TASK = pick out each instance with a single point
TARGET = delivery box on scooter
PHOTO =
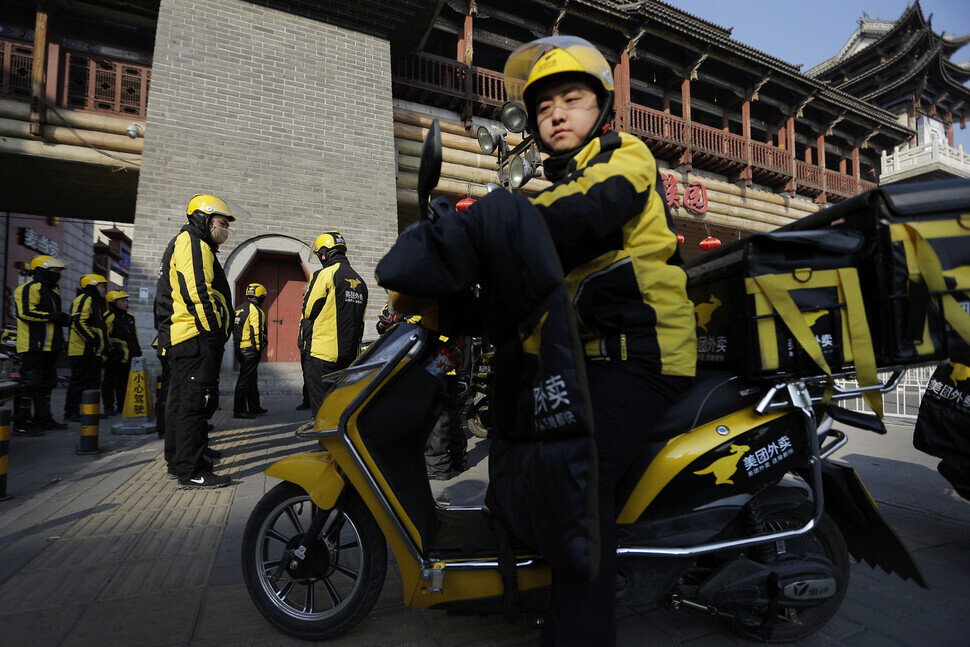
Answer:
(914, 268)
(781, 305)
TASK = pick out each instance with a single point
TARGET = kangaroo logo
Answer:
(724, 468)
(705, 311)
(353, 283)
(812, 317)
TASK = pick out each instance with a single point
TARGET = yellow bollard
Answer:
(90, 422)
(139, 409)
(4, 451)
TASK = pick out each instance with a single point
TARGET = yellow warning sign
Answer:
(139, 402)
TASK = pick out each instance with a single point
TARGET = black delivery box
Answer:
(777, 305)
(914, 267)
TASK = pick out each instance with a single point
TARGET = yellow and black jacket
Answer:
(192, 295)
(333, 312)
(615, 238)
(249, 330)
(123, 333)
(89, 334)
(37, 302)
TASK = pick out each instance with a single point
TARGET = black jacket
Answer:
(542, 458)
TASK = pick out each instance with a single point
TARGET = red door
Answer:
(283, 277)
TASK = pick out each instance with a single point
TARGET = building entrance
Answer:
(283, 277)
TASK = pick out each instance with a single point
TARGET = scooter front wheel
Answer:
(338, 579)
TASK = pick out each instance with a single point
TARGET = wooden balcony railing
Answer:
(101, 84)
(771, 158)
(717, 142)
(808, 175)
(653, 123)
(839, 184)
(87, 82)
(489, 86)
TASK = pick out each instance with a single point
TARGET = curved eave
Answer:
(874, 69)
(912, 13)
(940, 76)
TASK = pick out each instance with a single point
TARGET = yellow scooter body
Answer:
(352, 423)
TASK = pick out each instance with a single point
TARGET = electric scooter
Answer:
(733, 511)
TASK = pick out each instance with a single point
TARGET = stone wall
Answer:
(288, 117)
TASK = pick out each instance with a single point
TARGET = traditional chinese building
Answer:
(312, 117)
(905, 67)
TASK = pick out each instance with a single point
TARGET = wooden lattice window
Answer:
(105, 85)
(16, 63)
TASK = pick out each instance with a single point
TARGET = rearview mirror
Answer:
(430, 169)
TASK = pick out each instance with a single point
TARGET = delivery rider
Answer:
(87, 342)
(249, 341)
(40, 339)
(193, 319)
(333, 315)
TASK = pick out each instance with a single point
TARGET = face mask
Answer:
(219, 234)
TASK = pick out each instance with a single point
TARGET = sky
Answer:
(810, 32)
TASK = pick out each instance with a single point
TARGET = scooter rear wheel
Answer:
(337, 583)
(824, 540)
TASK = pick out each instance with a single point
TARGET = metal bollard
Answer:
(90, 420)
(4, 451)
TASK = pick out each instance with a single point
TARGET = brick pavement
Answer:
(97, 550)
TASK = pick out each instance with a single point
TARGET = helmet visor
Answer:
(521, 69)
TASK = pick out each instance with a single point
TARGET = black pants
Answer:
(162, 398)
(247, 389)
(446, 446)
(313, 371)
(38, 376)
(192, 387)
(85, 375)
(115, 384)
(627, 403)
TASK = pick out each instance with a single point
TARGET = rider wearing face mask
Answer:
(193, 319)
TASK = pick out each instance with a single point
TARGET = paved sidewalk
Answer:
(104, 549)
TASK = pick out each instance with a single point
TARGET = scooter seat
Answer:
(711, 395)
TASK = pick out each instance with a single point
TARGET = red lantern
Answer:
(709, 243)
(680, 239)
(464, 203)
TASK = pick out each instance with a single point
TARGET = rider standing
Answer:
(249, 339)
(40, 339)
(87, 342)
(333, 316)
(618, 248)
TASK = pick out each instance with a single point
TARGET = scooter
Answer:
(473, 397)
(735, 511)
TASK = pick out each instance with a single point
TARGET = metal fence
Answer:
(904, 401)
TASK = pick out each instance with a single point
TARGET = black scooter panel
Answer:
(394, 429)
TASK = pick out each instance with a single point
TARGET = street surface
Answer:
(104, 550)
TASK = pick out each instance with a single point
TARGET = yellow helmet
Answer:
(545, 57)
(209, 205)
(554, 55)
(114, 295)
(46, 262)
(327, 241)
(255, 290)
(92, 279)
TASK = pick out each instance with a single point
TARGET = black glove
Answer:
(60, 318)
(384, 322)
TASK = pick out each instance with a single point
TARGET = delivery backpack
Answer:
(943, 425)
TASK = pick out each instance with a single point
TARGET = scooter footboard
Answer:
(867, 536)
(315, 472)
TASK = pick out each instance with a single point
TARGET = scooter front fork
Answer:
(292, 557)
